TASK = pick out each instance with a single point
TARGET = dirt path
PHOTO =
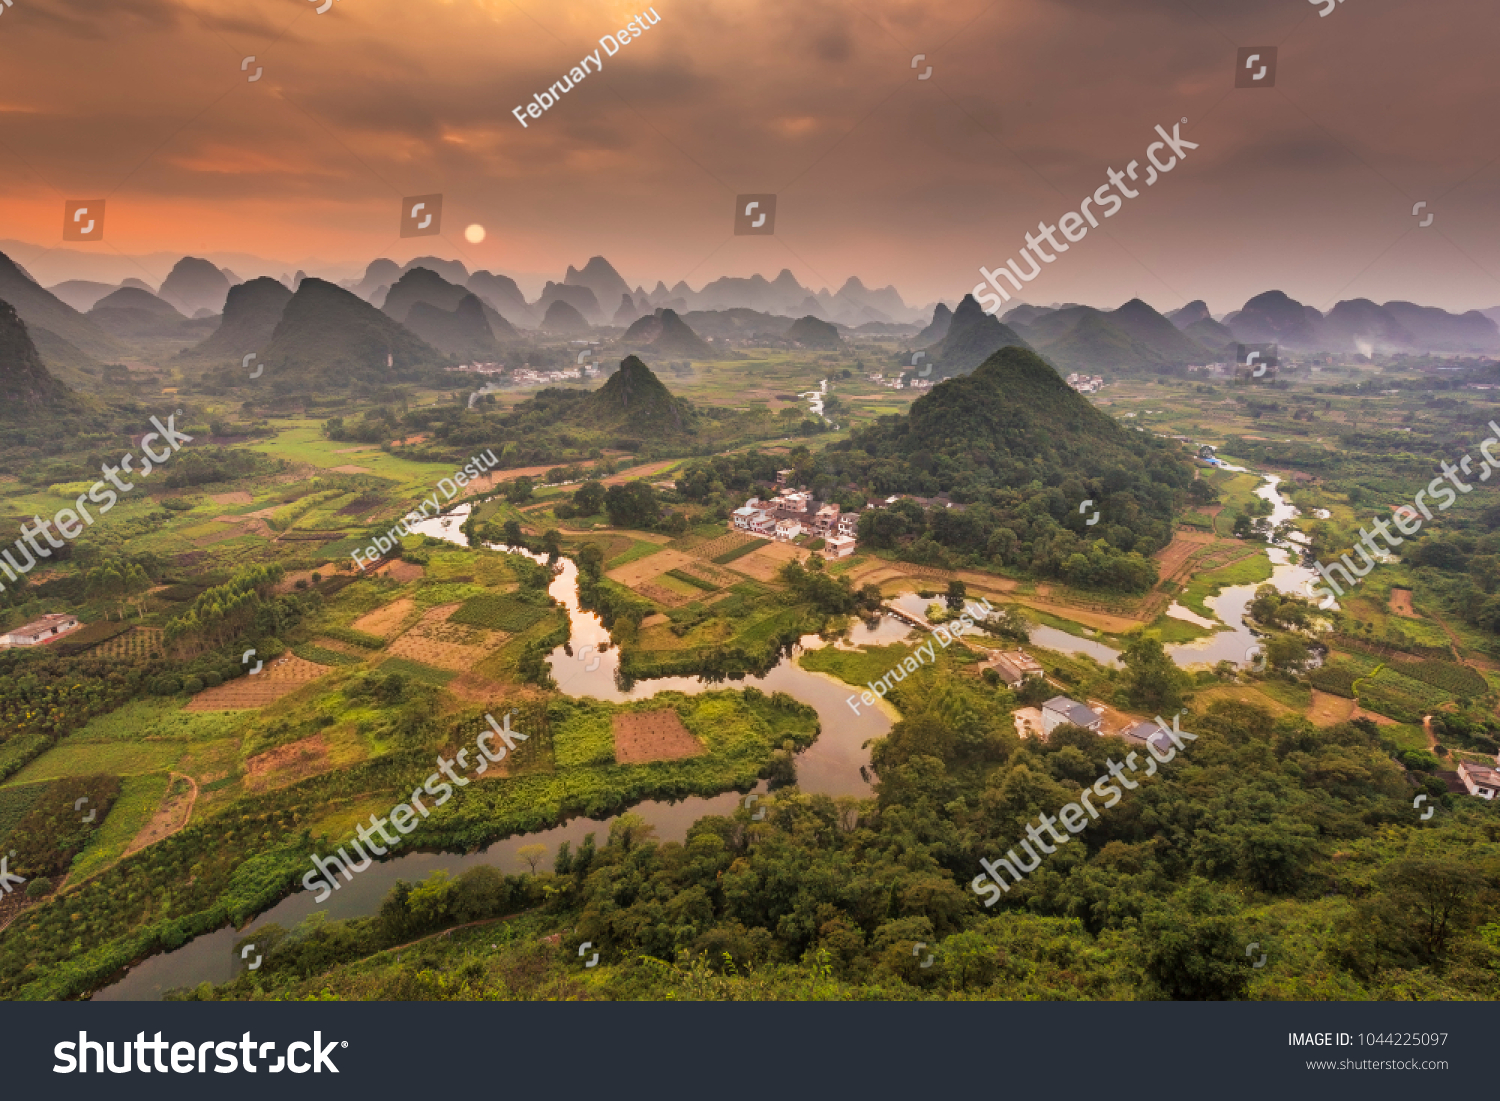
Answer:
(1427, 729)
(162, 824)
(1457, 647)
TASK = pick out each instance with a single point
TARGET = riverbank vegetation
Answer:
(1273, 831)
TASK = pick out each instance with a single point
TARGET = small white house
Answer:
(742, 516)
(838, 546)
(41, 631)
(849, 524)
(1059, 710)
(1479, 779)
(787, 530)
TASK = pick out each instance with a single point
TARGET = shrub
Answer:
(167, 685)
(38, 887)
(212, 679)
(192, 685)
(355, 638)
(691, 579)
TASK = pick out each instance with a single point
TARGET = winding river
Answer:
(830, 766)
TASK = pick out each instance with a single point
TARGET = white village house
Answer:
(838, 546)
(1060, 710)
(1481, 780)
(41, 631)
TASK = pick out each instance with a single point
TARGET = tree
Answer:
(628, 830)
(957, 590)
(513, 536)
(632, 505)
(1009, 624)
(1152, 681)
(519, 491)
(1287, 652)
(105, 584)
(591, 560)
(552, 543)
(589, 499)
(1192, 949)
(532, 855)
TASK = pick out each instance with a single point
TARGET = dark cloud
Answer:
(902, 181)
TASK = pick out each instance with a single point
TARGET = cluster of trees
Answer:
(221, 614)
(198, 465)
(812, 584)
(116, 584)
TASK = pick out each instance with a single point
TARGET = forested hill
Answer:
(1016, 404)
(1022, 451)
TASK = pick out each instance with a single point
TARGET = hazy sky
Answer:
(1307, 186)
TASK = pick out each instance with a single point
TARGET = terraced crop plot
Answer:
(642, 736)
(322, 656)
(386, 621)
(280, 678)
(720, 578)
(723, 544)
(768, 558)
(286, 764)
(644, 569)
(663, 596)
(693, 580)
(1457, 679)
(498, 612)
(426, 674)
(437, 641)
(748, 547)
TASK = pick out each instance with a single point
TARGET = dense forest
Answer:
(1269, 831)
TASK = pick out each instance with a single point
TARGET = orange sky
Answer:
(1307, 186)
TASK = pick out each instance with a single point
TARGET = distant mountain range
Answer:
(599, 293)
(433, 311)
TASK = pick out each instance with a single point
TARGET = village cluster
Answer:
(527, 375)
(794, 513)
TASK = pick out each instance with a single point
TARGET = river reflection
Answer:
(830, 766)
(587, 666)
